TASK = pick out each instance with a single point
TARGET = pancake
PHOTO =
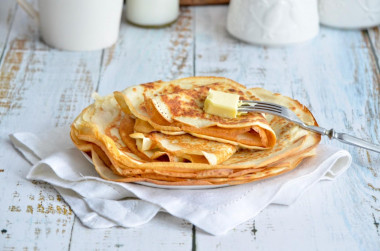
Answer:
(104, 130)
(177, 106)
(105, 125)
(187, 147)
(241, 177)
(156, 146)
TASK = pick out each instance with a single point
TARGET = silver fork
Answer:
(281, 111)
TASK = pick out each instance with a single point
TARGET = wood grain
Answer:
(144, 55)
(164, 232)
(335, 76)
(40, 88)
(374, 36)
(7, 10)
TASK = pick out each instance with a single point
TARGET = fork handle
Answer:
(351, 140)
(345, 138)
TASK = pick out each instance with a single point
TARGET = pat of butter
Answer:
(221, 104)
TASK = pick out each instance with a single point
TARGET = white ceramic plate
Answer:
(168, 187)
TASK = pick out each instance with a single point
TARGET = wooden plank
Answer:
(335, 76)
(144, 55)
(164, 232)
(40, 88)
(374, 36)
(7, 11)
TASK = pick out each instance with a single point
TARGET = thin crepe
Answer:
(105, 125)
(97, 129)
(215, 178)
(176, 148)
(177, 106)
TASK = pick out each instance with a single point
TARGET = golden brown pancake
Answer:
(177, 106)
(105, 128)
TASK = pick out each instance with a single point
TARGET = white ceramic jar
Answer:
(152, 13)
(77, 25)
(350, 14)
(273, 22)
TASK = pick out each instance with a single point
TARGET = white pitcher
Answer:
(77, 25)
(350, 14)
(273, 22)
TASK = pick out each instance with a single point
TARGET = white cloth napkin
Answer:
(102, 204)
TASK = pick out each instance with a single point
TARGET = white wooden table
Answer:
(336, 75)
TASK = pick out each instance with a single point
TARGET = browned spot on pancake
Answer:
(175, 88)
(174, 104)
(150, 85)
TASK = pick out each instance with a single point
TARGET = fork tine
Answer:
(259, 102)
(258, 108)
(262, 106)
(261, 111)
(266, 106)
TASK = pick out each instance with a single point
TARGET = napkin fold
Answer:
(102, 204)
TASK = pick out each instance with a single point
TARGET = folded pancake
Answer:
(176, 148)
(216, 176)
(98, 124)
(185, 147)
(105, 128)
(177, 106)
(105, 125)
(230, 178)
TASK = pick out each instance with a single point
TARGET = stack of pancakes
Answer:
(158, 132)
